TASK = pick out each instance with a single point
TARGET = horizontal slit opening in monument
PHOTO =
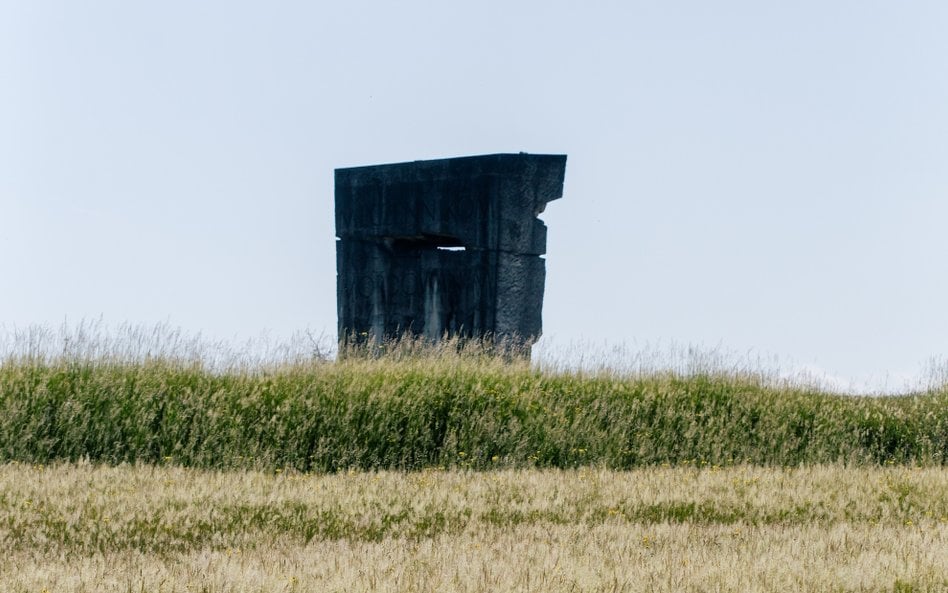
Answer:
(427, 242)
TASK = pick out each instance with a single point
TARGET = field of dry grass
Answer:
(84, 527)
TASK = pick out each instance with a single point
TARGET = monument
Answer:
(448, 247)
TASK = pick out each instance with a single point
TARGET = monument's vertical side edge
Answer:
(521, 271)
(341, 297)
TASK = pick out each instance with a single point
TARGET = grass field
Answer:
(80, 527)
(144, 467)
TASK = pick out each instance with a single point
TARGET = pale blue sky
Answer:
(756, 176)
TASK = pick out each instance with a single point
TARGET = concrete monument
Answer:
(448, 247)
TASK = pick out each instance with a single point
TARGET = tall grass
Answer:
(409, 406)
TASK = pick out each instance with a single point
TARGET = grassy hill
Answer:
(409, 411)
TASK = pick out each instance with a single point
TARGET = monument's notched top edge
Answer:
(460, 160)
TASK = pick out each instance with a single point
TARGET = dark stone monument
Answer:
(444, 247)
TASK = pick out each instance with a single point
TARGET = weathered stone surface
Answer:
(449, 246)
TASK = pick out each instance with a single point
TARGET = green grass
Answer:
(408, 411)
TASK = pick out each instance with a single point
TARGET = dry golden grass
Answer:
(79, 527)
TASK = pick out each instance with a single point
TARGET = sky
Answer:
(765, 178)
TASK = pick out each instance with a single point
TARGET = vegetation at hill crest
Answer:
(410, 409)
